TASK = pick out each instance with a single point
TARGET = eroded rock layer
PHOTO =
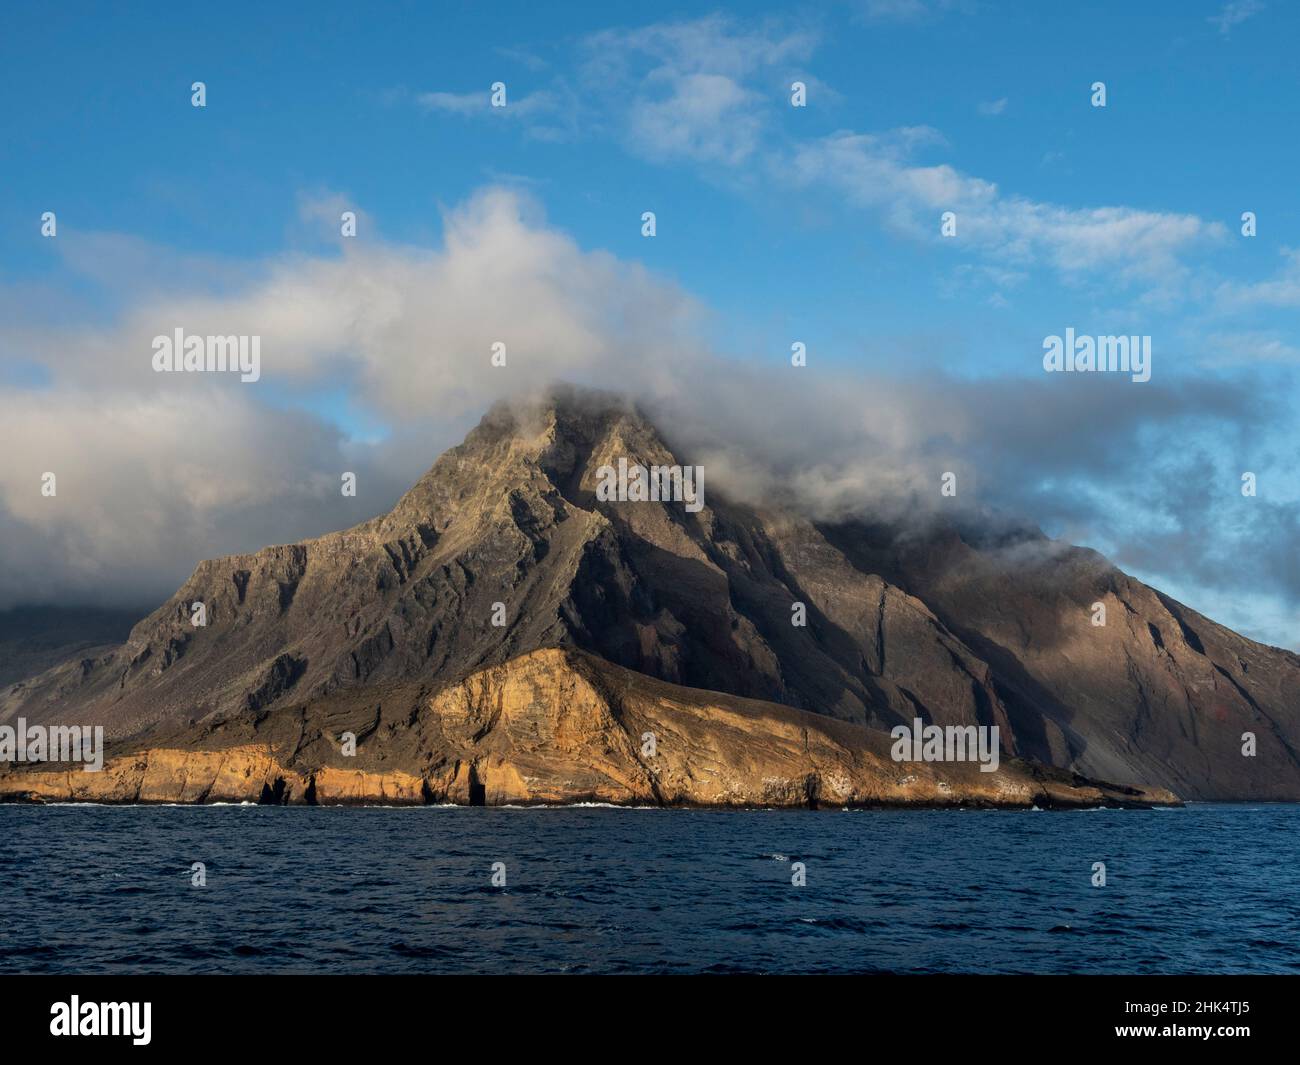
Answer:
(554, 726)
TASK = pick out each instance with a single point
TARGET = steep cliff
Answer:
(553, 726)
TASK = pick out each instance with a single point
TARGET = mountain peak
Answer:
(564, 411)
(524, 449)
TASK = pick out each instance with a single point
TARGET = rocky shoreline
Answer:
(553, 727)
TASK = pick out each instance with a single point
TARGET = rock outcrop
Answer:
(947, 624)
(553, 726)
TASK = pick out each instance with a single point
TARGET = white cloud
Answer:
(411, 328)
(1235, 13)
(877, 172)
(1247, 348)
(674, 90)
(706, 91)
(148, 485)
(456, 103)
(702, 90)
(1281, 290)
(156, 471)
(321, 212)
(712, 45)
(469, 104)
(705, 117)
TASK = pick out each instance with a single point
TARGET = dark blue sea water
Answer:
(306, 890)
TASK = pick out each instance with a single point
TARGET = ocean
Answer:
(90, 889)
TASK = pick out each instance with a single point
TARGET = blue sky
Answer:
(775, 223)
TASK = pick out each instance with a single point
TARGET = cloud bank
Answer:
(156, 471)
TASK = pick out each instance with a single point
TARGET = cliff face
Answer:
(946, 626)
(553, 726)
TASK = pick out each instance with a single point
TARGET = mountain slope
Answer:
(36, 638)
(936, 625)
(1158, 692)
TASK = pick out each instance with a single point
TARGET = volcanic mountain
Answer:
(471, 626)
